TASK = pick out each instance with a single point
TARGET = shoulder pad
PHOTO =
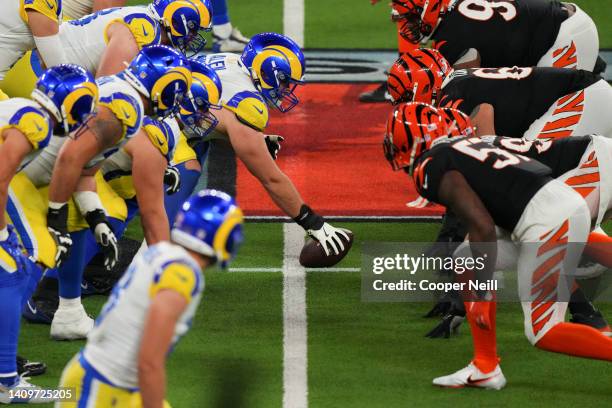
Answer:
(49, 8)
(163, 135)
(179, 277)
(34, 124)
(128, 109)
(250, 109)
(145, 30)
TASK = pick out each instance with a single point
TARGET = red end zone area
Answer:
(333, 154)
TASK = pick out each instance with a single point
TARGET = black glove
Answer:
(449, 325)
(105, 237)
(57, 225)
(274, 144)
(172, 180)
(450, 300)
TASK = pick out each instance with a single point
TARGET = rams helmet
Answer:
(206, 91)
(70, 94)
(183, 22)
(277, 65)
(162, 75)
(209, 223)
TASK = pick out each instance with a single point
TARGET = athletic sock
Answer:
(485, 341)
(223, 31)
(10, 312)
(65, 303)
(220, 13)
(71, 271)
(577, 340)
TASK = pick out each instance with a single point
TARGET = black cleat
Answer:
(378, 95)
(43, 304)
(97, 280)
(600, 66)
(594, 320)
(28, 368)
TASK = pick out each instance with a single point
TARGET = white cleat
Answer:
(234, 43)
(471, 376)
(71, 323)
(22, 393)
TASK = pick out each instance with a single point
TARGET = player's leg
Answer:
(581, 113)
(547, 269)
(226, 37)
(577, 43)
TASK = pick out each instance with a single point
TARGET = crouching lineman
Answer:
(28, 23)
(65, 98)
(270, 69)
(123, 362)
(487, 186)
(154, 83)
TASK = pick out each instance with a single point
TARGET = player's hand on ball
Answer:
(274, 144)
(330, 238)
(105, 237)
(172, 180)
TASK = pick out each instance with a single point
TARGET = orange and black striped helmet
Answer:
(419, 18)
(459, 124)
(417, 76)
(411, 129)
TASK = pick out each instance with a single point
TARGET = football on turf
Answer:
(313, 255)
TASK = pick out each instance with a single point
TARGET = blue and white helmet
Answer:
(70, 94)
(184, 21)
(162, 75)
(277, 66)
(209, 223)
(206, 91)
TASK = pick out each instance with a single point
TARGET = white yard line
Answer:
(295, 344)
(293, 20)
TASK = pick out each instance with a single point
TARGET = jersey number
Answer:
(483, 10)
(523, 146)
(503, 73)
(472, 148)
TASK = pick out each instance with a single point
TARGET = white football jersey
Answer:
(85, 39)
(239, 94)
(74, 9)
(125, 103)
(30, 119)
(15, 35)
(113, 344)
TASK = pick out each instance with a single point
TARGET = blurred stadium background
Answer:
(355, 354)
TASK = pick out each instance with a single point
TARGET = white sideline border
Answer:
(295, 331)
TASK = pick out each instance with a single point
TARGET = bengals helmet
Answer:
(411, 129)
(418, 76)
(459, 124)
(419, 18)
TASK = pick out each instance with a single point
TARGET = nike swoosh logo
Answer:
(258, 110)
(51, 6)
(32, 309)
(127, 115)
(160, 142)
(84, 285)
(38, 128)
(144, 31)
(476, 382)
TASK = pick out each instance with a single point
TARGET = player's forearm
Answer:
(3, 202)
(64, 181)
(152, 383)
(284, 194)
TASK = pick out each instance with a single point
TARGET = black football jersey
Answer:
(505, 33)
(560, 155)
(504, 181)
(518, 95)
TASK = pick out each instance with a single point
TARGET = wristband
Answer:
(308, 219)
(57, 216)
(94, 218)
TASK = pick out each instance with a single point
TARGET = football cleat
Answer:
(21, 385)
(378, 95)
(234, 43)
(594, 320)
(71, 323)
(43, 304)
(28, 368)
(471, 376)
